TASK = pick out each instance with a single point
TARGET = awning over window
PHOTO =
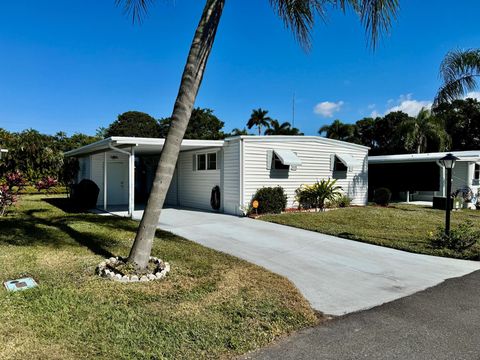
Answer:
(349, 161)
(287, 157)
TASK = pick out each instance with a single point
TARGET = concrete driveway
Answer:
(337, 276)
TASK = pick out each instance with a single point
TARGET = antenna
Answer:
(293, 110)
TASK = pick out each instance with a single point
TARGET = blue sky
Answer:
(74, 66)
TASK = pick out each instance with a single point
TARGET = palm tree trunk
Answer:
(192, 77)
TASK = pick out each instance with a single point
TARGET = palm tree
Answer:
(459, 71)
(239, 132)
(298, 16)
(282, 129)
(338, 131)
(419, 130)
(259, 118)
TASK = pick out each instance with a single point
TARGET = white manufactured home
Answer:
(419, 177)
(123, 168)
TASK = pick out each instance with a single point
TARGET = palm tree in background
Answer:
(259, 119)
(338, 131)
(298, 16)
(459, 71)
(239, 132)
(422, 129)
(282, 129)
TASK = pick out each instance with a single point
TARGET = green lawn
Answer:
(404, 227)
(211, 305)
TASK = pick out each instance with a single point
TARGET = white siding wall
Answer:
(460, 175)
(315, 157)
(195, 187)
(231, 177)
(96, 175)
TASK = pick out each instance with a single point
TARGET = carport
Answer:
(112, 163)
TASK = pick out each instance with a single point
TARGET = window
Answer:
(477, 172)
(201, 161)
(212, 161)
(339, 165)
(277, 163)
(207, 161)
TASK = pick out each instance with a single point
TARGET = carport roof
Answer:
(142, 145)
(473, 156)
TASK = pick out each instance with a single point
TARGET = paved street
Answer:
(440, 323)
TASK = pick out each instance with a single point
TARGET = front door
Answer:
(117, 189)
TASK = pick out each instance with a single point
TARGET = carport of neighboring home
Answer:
(123, 168)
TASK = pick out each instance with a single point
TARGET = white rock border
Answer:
(160, 272)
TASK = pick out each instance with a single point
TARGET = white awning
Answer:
(287, 157)
(349, 161)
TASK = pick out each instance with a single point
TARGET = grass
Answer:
(211, 305)
(404, 227)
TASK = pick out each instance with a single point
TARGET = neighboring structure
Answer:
(420, 177)
(123, 168)
(3, 152)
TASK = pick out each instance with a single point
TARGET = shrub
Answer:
(382, 196)
(461, 238)
(271, 200)
(47, 183)
(315, 196)
(7, 198)
(15, 179)
(341, 201)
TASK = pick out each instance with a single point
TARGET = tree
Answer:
(259, 118)
(461, 120)
(239, 132)
(389, 134)
(459, 70)
(281, 129)
(338, 131)
(203, 125)
(299, 16)
(422, 130)
(134, 123)
(364, 133)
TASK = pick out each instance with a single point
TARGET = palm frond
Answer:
(376, 16)
(458, 71)
(135, 8)
(299, 16)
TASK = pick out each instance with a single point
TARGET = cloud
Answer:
(375, 114)
(473, 95)
(328, 108)
(408, 105)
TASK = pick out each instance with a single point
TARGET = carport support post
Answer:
(131, 183)
(105, 181)
(448, 201)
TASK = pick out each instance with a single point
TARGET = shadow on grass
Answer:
(30, 229)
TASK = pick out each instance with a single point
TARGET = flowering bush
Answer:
(14, 182)
(7, 198)
(15, 179)
(46, 184)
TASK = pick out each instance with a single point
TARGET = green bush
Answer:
(382, 196)
(271, 200)
(341, 201)
(317, 195)
(461, 238)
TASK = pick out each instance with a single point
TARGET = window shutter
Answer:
(219, 159)
(332, 162)
(269, 159)
(194, 162)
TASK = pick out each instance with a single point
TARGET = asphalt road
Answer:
(442, 322)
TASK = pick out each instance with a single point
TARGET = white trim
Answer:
(242, 173)
(131, 182)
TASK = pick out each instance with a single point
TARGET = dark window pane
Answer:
(212, 161)
(201, 162)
